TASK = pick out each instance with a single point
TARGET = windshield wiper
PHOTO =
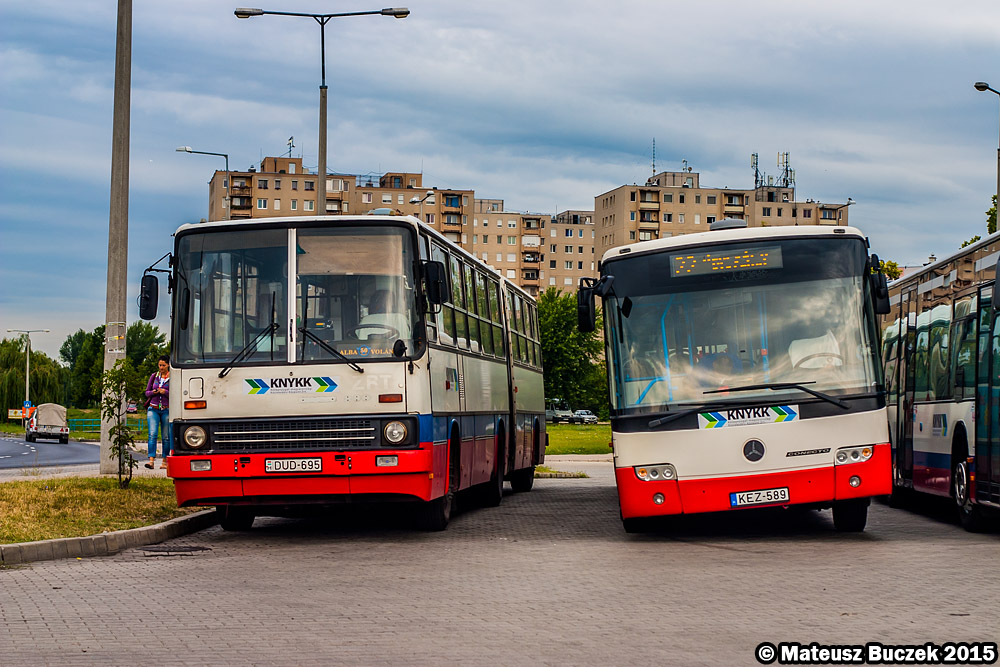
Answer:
(245, 352)
(326, 346)
(778, 386)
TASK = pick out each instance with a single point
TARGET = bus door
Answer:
(988, 395)
(907, 380)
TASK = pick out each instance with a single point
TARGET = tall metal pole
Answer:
(321, 168)
(114, 325)
(982, 87)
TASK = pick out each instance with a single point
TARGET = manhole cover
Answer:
(160, 550)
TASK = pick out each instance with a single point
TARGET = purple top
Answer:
(157, 381)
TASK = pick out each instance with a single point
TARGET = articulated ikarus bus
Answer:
(323, 360)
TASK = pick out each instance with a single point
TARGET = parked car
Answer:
(557, 411)
(583, 417)
(48, 422)
(131, 407)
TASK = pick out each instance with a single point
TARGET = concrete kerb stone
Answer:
(105, 543)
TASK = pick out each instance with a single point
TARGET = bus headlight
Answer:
(853, 455)
(658, 473)
(195, 437)
(395, 432)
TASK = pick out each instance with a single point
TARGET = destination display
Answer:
(746, 259)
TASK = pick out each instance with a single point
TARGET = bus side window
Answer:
(446, 317)
(482, 308)
(470, 301)
(963, 358)
(458, 298)
(493, 292)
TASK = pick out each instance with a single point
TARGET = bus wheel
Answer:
(235, 518)
(850, 516)
(636, 525)
(491, 493)
(436, 514)
(523, 479)
(899, 496)
(969, 514)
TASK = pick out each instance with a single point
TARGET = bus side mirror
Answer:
(149, 293)
(586, 313)
(436, 283)
(880, 287)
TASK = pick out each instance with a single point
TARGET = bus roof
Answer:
(729, 235)
(990, 260)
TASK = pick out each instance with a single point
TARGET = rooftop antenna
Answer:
(654, 156)
(685, 165)
(291, 145)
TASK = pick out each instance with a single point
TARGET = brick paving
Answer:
(548, 578)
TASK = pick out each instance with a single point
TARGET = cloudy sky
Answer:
(542, 104)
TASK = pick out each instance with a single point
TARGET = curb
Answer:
(559, 475)
(105, 544)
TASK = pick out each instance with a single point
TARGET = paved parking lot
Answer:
(547, 578)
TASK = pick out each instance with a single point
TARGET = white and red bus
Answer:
(317, 361)
(941, 348)
(744, 371)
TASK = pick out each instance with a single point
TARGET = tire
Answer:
(850, 516)
(491, 493)
(522, 480)
(635, 526)
(435, 514)
(64, 440)
(969, 514)
(899, 497)
(235, 519)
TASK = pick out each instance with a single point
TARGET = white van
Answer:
(48, 422)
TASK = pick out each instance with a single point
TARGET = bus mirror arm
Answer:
(435, 283)
(880, 287)
(149, 290)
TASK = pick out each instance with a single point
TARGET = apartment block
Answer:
(673, 203)
(283, 188)
(508, 241)
(569, 250)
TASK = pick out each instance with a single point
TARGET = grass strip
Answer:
(79, 506)
(578, 438)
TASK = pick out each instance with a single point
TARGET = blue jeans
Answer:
(157, 420)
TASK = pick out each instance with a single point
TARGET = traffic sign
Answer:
(13, 413)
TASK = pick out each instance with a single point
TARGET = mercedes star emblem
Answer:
(753, 450)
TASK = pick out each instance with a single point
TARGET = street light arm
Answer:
(396, 12)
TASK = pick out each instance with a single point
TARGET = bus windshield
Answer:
(353, 287)
(685, 324)
(355, 293)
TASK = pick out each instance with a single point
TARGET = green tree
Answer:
(47, 376)
(70, 349)
(572, 359)
(87, 368)
(890, 269)
(972, 240)
(991, 217)
(116, 386)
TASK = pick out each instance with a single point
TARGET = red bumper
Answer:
(815, 485)
(241, 478)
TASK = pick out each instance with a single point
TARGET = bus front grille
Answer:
(294, 435)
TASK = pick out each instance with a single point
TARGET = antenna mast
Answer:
(654, 156)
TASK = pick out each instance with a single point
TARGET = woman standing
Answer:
(158, 402)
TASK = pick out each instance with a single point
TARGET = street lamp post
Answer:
(187, 149)
(982, 87)
(322, 20)
(421, 200)
(27, 363)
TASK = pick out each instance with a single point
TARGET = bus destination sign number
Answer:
(747, 259)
